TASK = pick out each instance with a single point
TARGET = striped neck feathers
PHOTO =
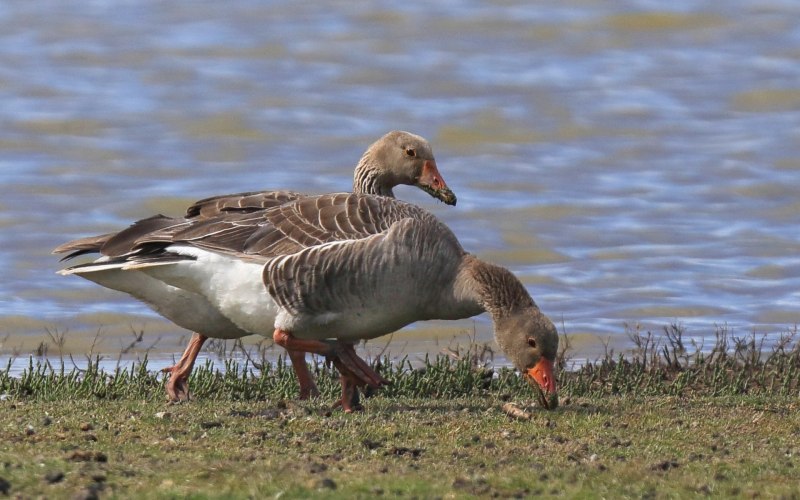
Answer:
(369, 178)
(495, 289)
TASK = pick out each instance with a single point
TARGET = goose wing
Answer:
(116, 244)
(123, 242)
(239, 203)
(290, 227)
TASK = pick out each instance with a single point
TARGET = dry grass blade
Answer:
(516, 412)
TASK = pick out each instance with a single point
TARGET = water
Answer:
(633, 162)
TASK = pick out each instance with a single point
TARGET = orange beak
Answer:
(542, 373)
(431, 182)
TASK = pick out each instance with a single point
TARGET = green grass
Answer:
(604, 447)
(661, 423)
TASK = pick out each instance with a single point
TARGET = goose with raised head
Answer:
(396, 158)
(320, 273)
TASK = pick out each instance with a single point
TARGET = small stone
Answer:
(90, 493)
(87, 456)
(665, 465)
(593, 457)
(326, 483)
(54, 477)
(241, 413)
(79, 456)
(86, 427)
(460, 483)
(404, 451)
(270, 413)
(5, 486)
(371, 445)
(163, 415)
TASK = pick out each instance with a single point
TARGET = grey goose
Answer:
(396, 158)
(322, 272)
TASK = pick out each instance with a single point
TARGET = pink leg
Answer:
(178, 383)
(350, 401)
(355, 371)
(308, 389)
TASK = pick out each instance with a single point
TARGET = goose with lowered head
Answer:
(320, 273)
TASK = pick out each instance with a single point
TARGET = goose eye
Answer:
(532, 342)
(411, 152)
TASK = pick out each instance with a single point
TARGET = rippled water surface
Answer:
(633, 162)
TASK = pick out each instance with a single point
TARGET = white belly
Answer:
(231, 286)
(186, 309)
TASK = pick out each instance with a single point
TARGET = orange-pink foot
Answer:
(178, 384)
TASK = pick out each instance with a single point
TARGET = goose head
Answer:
(530, 341)
(401, 158)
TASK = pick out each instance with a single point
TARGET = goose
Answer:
(319, 273)
(396, 158)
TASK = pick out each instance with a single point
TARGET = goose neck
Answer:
(369, 179)
(494, 288)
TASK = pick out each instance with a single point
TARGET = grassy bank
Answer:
(661, 422)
